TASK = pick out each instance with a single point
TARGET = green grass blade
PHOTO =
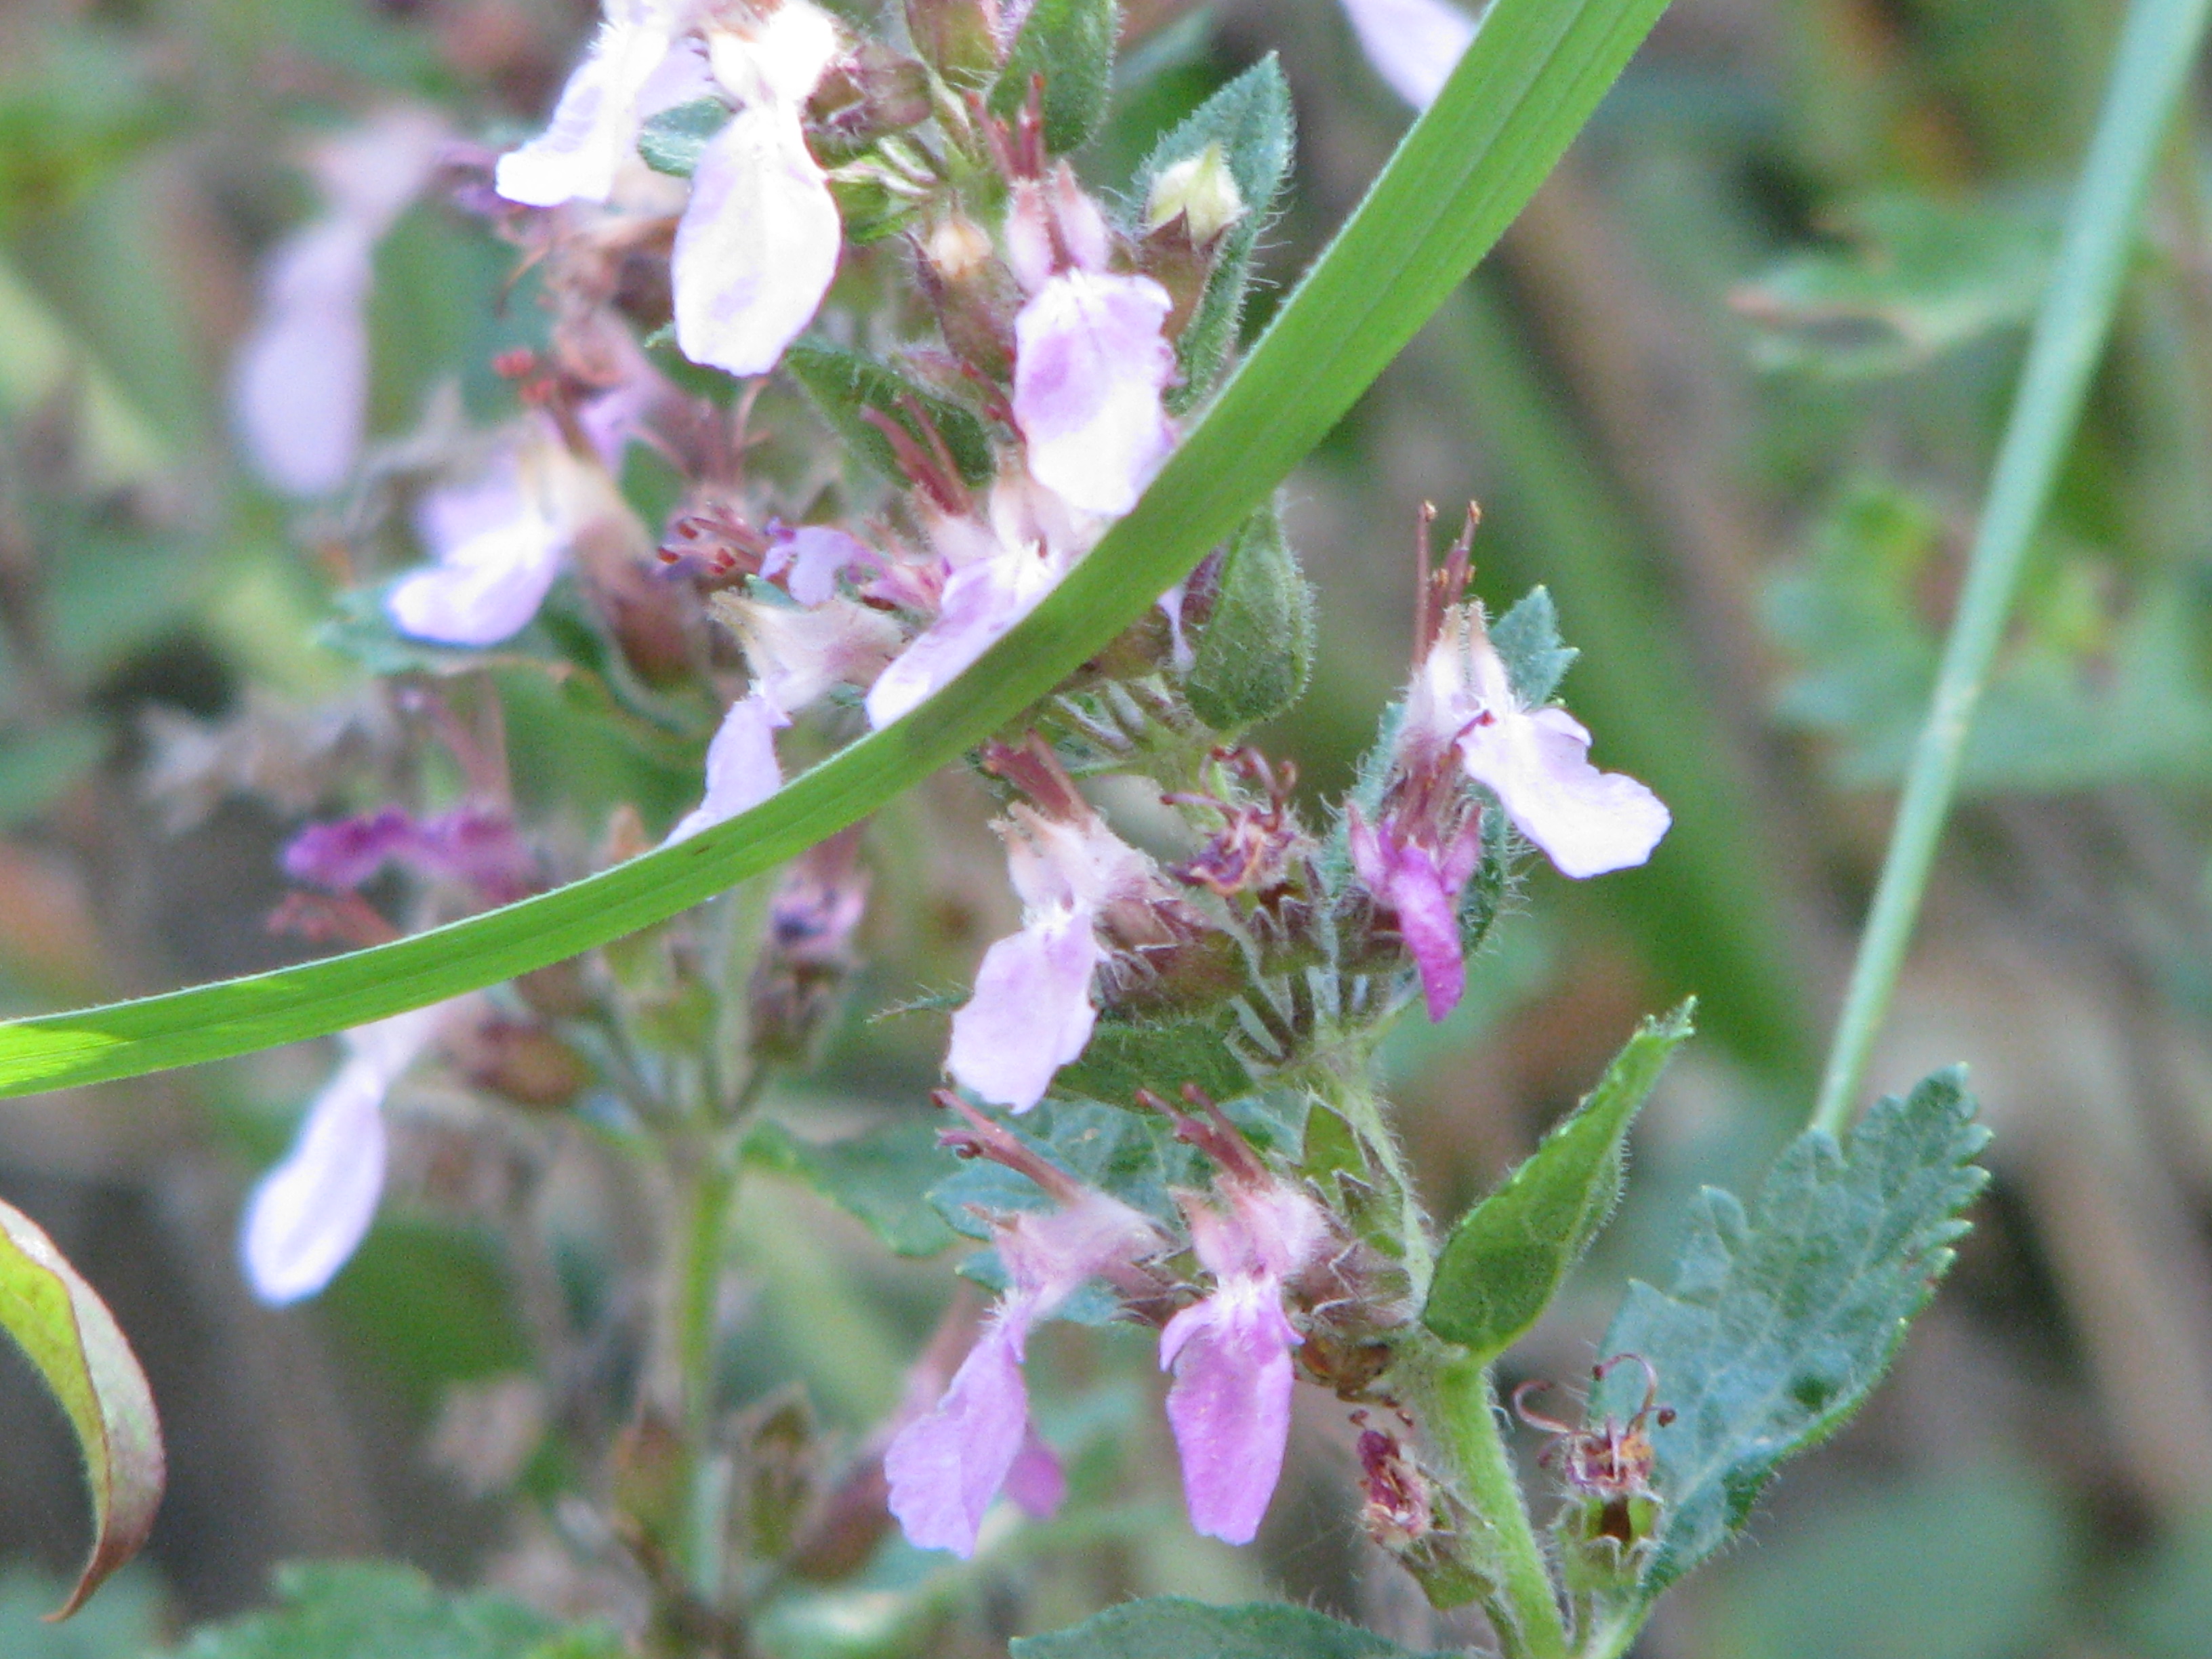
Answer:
(2157, 50)
(1536, 72)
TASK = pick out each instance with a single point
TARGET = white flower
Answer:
(741, 766)
(758, 245)
(632, 69)
(498, 543)
(310, 1212)
(1414, 44)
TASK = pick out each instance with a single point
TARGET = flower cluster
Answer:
(1228, 1346)
(737, 198)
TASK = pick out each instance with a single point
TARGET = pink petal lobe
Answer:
(1037, 1481)
(1089, 365)
(756, 246)
(1229, 1406)
(1587, 822)
(1031, 1011)
(947, 1466)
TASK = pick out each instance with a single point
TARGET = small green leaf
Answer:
(881, 1177)
(671, 141)
(1250, 118)
(1255, 655)
(1172, 1627)
(65, 1330)
(1509, 1256)
(1778, 1328)
(1071, 44)
(843, 384)
(1527, 641)
(381, 1610)
(1920, 278)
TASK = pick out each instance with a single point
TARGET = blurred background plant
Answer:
(1730, 388)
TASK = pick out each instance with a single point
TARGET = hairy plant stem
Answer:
(2157, 51)
(1455, 1399)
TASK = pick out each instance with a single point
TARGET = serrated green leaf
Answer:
(1173, 1627)
(1520, 94)
(1528, 641)
(1256, 653)
(67, 1335)
(1251, 119)
(672, 141)
(842, 385)
(381, 1610)
(1071, 44)
(1128, 1154)
(882, 1177)
(1778, 1326)
(1507, 1256)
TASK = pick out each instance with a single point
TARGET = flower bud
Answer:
(973, 292)
(519, 1061)
(1201, 192)
(958, 38)
(808, 957)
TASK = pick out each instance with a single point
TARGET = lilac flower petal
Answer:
(777, 58)
(1231, 1403)
(980, 602)
(1586, 821)
(486, 586)
(309, 1214)
(1414, 44)
(345, 852)
(1090, 364)
(811, 558)
(1031, 1012)
(742, 770)
(797, 654)
(595, 126)
(757, 247)
(300, 382)
(945, 1467)
(1037, 1481)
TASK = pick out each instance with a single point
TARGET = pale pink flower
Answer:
(1229, 1406)
(1414, 44)
(1091, 360)
(497, 543)
(946, 1466)
(758, 244)
(1031, 1012)
(795, 653)
(1422, 884)
(300, 381)
(999, 572)
(1535, 761)
(309, 1214)
(742, 770)
(632, 69)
